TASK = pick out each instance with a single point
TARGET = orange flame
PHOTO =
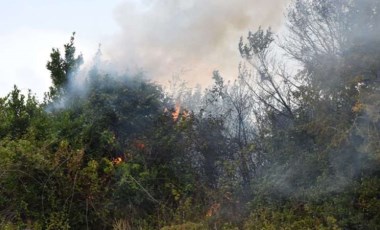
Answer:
(176, 112)
(117, 160)
(213, 210)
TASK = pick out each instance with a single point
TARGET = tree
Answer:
(19, 113)
(233, 103)
(315, 144)
(63, 69)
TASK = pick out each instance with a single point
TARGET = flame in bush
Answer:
(213, 210)
(117, 160)
(176, 112)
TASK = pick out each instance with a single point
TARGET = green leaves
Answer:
(63, 69)
(302, 150)
(18, 114)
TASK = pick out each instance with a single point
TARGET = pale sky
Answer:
(163, 37)
(29, 29)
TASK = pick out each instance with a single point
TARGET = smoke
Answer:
(191, 38)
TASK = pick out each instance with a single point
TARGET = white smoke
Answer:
(191, 37)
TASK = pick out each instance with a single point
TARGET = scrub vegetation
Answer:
(292, 143)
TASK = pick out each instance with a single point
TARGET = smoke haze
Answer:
(190, 38)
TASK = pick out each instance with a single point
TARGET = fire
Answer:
(213, 210)
(117, 160)
(176, 112)
(179, 112)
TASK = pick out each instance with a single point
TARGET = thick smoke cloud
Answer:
(191, 38)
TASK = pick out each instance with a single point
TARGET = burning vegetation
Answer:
(176, 112)
(277, 148)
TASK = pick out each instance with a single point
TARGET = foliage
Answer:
(274, 149)
(62, 69)
(188, 225)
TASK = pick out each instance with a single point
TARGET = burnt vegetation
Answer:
(292, 143)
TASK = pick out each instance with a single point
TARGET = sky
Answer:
(190, 38)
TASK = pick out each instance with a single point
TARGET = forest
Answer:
(293, 142)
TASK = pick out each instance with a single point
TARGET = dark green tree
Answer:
(63, 68)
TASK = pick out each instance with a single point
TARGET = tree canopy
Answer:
(277, 148)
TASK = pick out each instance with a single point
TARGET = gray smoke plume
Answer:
(191, 38)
